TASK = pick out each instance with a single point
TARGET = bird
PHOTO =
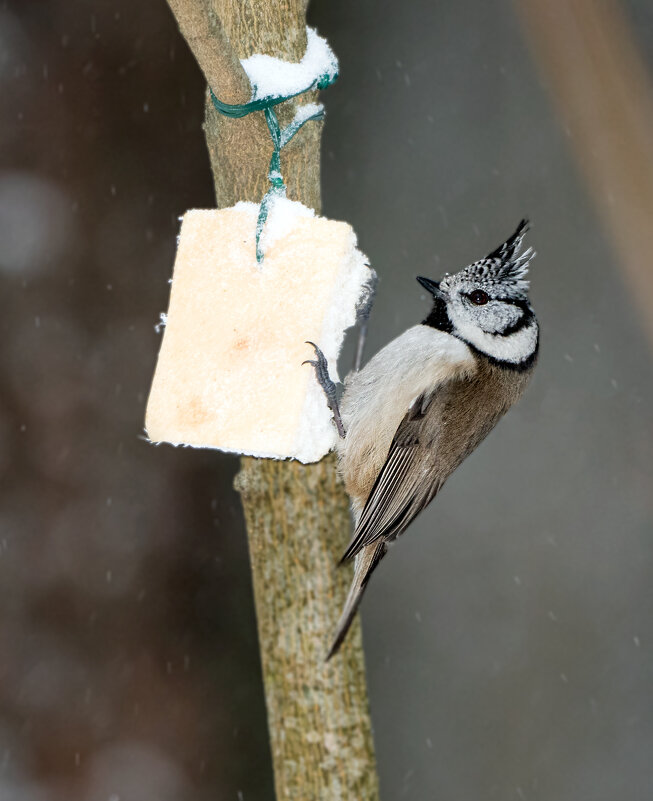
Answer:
(427, 399)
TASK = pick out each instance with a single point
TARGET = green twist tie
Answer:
(280, 138)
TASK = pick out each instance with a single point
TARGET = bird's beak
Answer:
(431, 286)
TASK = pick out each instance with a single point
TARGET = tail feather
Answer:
(366, 562)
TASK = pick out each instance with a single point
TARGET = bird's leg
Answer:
(362, 316)
(328, 387)
(360, 345)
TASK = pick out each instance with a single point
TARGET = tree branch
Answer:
(589, 58)
(297, 516)
(200, 26)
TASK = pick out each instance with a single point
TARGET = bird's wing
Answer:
(406, 483)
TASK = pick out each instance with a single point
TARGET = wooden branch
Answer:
(201, 27)
(278, 29)
(600, 86)
(297, 516)
(320, 733)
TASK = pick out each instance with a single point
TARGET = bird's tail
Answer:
(366, 562)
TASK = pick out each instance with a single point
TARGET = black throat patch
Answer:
(438, 317)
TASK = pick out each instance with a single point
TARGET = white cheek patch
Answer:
(483, 327)
(514, 348)
(496, 317)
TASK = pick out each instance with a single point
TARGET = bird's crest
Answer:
(506, 265)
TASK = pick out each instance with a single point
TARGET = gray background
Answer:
(508, 637)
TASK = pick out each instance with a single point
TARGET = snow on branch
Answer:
(274, 77)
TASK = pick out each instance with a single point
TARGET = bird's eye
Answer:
(478, 297)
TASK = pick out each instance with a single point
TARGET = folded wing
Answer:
(406, 483)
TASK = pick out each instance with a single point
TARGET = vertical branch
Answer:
(320, 734)
(600, 86)
(297, 516)
(277, 29)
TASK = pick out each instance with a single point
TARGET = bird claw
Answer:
(321, 367)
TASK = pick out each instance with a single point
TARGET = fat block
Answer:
(229, 373)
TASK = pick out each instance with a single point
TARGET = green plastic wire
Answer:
(280, 138)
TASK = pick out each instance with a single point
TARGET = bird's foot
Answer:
(328, 387)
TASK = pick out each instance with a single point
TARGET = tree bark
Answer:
(297, 516)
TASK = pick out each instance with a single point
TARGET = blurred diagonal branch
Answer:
(590, 62)
(297, 516)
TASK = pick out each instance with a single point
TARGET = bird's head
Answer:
(486, 304)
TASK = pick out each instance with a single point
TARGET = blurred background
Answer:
(509, 639)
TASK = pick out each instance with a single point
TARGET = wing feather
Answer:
(404, 484)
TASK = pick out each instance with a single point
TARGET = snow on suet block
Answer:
(229, 373)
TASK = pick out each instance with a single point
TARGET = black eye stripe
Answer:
(522, 322)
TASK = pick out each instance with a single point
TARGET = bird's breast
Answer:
(378, 396)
